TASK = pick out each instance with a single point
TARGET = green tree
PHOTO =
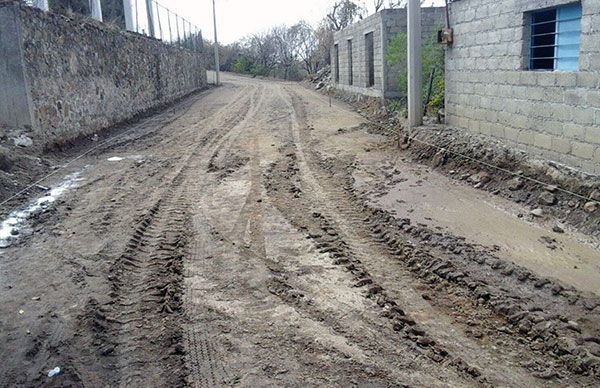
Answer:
(432, 60)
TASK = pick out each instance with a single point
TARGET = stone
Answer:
(558, 229)
(439, 159)
(550, 188)
(537, 212)
(480, 177)
(23, 141)
(595, 195)
(547, 198)
(515, 184)
(590, 207)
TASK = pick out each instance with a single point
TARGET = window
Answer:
(350, 75)
(370, 57)
(336, 58)
(555, 37)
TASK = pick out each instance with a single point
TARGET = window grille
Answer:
(555, 35)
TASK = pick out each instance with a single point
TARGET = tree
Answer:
(342, 14)
(324, 37)
(432, 61)
(378, 4)
(285, 42)
(262, 48)
(306, 45)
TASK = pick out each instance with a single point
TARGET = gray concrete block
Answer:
(583, 150)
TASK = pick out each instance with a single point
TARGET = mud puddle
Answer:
(12, 227)
(431, 199)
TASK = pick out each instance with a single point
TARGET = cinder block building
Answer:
(528, 72)
(358, 54)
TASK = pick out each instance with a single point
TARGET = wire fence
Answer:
(146, 17)
(151, 18)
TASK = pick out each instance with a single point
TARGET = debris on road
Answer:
(53, 372)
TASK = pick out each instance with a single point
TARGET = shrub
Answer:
(432, 59)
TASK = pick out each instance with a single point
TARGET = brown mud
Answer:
(262, 238)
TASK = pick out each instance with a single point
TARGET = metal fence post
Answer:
(150, 12)
(169, 22)
(96, 7)
(159, 24)
(128, 16)
(137, 19)
(177, 25)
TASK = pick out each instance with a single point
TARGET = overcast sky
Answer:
(239, 18)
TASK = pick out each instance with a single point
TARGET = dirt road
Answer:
(255, 236)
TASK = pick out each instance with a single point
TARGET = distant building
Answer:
(357, 57)
(528, 72)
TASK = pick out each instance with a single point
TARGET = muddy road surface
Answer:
(253, 235)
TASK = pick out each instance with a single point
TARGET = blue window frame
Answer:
(555, 35)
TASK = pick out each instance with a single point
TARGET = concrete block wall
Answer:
(552, 114)
(357, 32)
(73, 77)
(384, 25)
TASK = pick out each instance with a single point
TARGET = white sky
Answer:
(239, 18)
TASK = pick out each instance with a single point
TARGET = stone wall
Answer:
(384, 25)
(552, 114)
(73, 76)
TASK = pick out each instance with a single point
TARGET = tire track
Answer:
(358, 251)
(138, 332)
(434, 271)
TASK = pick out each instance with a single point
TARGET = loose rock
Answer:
(23, 141)
(537, 212)
(590, 207)
(515, 184)
(547, 198)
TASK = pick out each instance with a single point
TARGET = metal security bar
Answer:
(555, 38)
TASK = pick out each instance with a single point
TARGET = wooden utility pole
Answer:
(415, 104)
(217, 65)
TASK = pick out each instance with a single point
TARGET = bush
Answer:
(245, 65)
(432, 59)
